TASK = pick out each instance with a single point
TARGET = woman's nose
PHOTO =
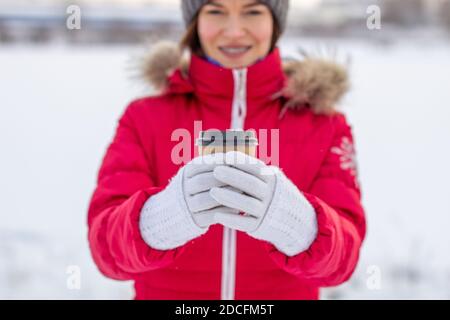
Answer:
(234, 28)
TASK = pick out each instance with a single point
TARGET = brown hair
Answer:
(191, 40)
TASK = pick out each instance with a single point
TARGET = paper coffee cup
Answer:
(215, 141)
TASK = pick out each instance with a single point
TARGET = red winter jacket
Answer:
(316, 153)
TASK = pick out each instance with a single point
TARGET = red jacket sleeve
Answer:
(336, 197)
(124, 184)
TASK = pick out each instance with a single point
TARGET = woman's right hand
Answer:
(198, 180)
(184, 210)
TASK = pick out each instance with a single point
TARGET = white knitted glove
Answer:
(275, 210)
(184, 210)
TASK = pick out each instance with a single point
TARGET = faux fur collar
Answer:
(313, 82)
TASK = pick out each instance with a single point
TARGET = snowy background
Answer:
(59, 106)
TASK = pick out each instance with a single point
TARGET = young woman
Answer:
(177, 228)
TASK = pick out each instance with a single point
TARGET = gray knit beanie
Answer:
(279, 9)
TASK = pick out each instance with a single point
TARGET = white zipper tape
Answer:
(229, 244)
(225, 265)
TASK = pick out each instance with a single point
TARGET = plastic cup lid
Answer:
(227, 137)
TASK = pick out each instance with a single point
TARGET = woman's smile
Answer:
(235, 52)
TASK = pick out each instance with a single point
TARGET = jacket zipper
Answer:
(238, 114)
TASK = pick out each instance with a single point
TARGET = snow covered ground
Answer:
(58, 111)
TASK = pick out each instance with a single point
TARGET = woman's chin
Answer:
(242, 63)
(232, 63)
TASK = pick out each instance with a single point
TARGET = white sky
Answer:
(294, 3)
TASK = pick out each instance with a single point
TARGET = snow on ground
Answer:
(58, 111)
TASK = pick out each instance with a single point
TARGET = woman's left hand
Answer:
(275, 210)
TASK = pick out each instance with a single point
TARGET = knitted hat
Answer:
(279, 9)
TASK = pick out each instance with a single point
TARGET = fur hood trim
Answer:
(313, 82)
